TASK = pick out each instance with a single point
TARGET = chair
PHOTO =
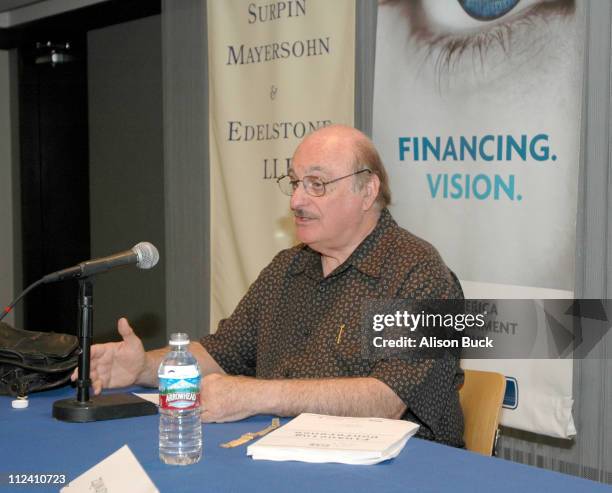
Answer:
(481, 397)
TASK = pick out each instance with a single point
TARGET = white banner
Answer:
(277, 71)
(477, 117)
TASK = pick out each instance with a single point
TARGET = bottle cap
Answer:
(179, 339)
(20, 403)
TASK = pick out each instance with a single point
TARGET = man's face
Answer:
(329, 222)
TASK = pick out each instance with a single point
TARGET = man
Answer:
(292, 344)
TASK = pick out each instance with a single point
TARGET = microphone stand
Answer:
(102, 407)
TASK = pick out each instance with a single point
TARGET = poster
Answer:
(477, 109)
(277, 71)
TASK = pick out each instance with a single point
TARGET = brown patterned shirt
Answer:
(287, 324)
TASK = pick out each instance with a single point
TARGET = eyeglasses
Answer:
(313, 185)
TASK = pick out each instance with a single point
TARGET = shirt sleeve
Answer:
(234, 345)
(428, 387)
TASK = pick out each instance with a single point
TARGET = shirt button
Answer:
(322, 288)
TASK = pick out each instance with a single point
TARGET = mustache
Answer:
(303, 214)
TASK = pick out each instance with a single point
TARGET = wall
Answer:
(10, 277)
(126, 173)
(186, 165)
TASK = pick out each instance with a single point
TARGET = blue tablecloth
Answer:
(32, 441)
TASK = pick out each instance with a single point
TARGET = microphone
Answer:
(144, 255)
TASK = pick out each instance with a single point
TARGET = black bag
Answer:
(32, 361)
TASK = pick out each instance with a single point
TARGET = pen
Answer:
(339, 334)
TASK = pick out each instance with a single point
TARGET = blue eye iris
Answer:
(487, 10)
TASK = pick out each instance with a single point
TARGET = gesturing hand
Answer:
(116, 364)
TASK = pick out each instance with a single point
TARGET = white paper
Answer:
(120, 472)
(319, 438)
(154, 398)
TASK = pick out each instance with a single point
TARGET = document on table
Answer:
(320, 438)
(120, 471)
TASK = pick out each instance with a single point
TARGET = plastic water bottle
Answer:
(180, 428)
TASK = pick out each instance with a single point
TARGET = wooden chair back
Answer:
(481, 398)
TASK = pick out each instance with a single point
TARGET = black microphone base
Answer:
(102, 408)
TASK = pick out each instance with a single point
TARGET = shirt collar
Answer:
(367, 257)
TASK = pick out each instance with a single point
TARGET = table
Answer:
(32, 441)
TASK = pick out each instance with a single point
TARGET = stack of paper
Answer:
(320, 438)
